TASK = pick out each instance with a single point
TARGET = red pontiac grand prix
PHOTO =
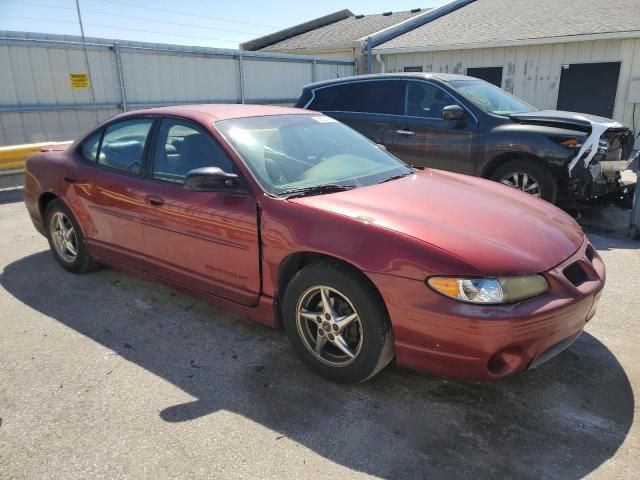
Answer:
(294, 219)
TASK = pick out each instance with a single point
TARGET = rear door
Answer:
(205, 240)
(424, 138)
(372, 107)
(107, 189)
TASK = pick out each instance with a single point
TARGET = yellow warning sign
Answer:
(79, 80)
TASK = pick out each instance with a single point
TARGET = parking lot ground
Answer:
(108, 376)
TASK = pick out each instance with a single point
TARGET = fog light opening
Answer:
(505, 361)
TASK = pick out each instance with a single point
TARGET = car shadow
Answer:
(561, 420)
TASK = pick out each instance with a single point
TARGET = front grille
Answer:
(575, 274)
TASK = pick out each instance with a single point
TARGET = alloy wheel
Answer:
(329, 326)
(522, 181)
(63, 237)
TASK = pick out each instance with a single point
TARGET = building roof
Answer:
(320, 34)
(503, 22)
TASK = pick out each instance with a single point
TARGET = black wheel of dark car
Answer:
(525, 175)
(337, 323)
(66, 239)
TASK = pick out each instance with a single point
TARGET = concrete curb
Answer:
(10, 179)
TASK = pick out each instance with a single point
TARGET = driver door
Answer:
(205, 240)
(424, 138)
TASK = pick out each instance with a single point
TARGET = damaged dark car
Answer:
(466, 125)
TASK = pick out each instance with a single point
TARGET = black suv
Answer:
(466, 125)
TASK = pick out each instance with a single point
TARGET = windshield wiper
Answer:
(316, 190)
(396, 177)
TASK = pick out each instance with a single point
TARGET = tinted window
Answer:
(89, 149)
(385, 96)
(183, 146)
(426, 100)
(331, 98)
(123, 144)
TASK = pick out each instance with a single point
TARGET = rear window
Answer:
(385, 96)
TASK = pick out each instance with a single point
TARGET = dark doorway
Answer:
(589, 88)
(488, 74)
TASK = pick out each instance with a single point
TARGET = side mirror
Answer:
(453, 113)
(381, 146)
(210, 179)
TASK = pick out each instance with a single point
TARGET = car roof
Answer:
(443, 77)
(217, 111)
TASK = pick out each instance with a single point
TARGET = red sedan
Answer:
(294, 219)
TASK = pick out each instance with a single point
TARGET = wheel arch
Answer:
(295, 262)
(43, 202)
(499, 160)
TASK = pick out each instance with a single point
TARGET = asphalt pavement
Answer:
(108, 376)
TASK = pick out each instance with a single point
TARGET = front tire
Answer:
(528, 177)
(337, 323)
(66, 240)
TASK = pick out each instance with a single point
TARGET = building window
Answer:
(412, 69)
(488, 74)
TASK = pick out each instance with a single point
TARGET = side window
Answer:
(123, 144)
(331, 98)
(182, 146)
(89, 148)
(426, 100)
(385, 96)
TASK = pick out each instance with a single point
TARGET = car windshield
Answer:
(289, 153)
(491, 98)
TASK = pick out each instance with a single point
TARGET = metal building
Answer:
(47, 92)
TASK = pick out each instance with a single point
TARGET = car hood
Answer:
(579, 121)
(496, 229)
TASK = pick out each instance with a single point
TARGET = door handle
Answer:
(70, 178)
(154, 200)
(405, 132)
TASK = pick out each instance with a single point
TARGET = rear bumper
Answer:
(30, 194)
(446, 337)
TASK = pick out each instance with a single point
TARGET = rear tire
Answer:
(66, 240)
(528, 177)
(366, 334)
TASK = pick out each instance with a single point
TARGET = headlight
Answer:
(489, 290)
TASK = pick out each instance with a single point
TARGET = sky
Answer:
(219, 23)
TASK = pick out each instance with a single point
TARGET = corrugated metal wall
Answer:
(533, 72)
(37, 102)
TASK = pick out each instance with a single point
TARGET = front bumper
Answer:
(451, 338)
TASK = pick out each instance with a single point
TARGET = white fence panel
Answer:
(274, 81)
(39, 102)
